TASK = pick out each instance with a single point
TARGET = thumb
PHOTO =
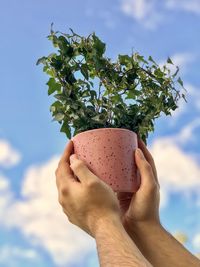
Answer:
(145, 169)
(80, 169)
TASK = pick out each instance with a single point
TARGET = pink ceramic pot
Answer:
(109, 154)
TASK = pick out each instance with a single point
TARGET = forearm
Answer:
(160, 247)
(115, 247)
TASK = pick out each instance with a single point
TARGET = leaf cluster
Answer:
(91, 91)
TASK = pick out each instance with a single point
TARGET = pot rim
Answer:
(103, 129)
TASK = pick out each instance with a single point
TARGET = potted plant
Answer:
(107, 103)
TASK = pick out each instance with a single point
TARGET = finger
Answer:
(148, 157)
(80, 169)
(63, 173)
(66, 155)
(145, 169)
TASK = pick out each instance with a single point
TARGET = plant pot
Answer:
(109, 154)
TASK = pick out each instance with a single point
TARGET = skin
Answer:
(80, 195)
(140, 217)
(120, 226)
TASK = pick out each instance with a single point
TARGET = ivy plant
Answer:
(92, 91)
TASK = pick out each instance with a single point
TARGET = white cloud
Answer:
(150, 13)
(193, 99)
(10, 254)
(8, 155)
(143, 11)
(138, 9)
(192, 6)
(40, 218)
(164, 198)
(181, 60)
(5, 194)
(107, 18)
(194, 92)
(178, 172)
(187, 133)
(4, 184)
(196, 241)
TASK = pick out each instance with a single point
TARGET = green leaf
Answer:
(158, 73)
(54, 39)
(99, 117)
(169, 61)
(131, 76)
(180, 81)
(41, 60)
(52, 32)
(60, 97)
(59, 116)
(85, 93)
(183, 96)
(52, 108)
(93, 94)
(124, 59)
(56, 106)
(84, 71)
(99, 45)
(63, 40)
(56, 63)
(116, 98)
(66, 129)
(130, 95)
(152, 60)
(141, 58)
(176, 72)
(50, 72)
(53, 86)
(136, 90)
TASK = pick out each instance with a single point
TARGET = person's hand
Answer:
(85, 199)
(142, 206)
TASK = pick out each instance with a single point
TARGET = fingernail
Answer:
(140, 153)
(73, 157)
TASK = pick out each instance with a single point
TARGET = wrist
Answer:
(105, 223)
(139, 227)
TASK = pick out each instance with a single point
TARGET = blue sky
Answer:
(33, 230)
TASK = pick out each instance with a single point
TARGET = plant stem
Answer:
(99, 95)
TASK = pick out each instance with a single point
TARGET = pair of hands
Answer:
(87, 201)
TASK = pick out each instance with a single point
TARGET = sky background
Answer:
(33, 230)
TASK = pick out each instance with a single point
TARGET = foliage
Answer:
(92, 91)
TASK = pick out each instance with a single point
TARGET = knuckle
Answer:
(77, 165)
(61, 201)
(147, 167)
(152, 187)
(70, 219)
(56, 172)
(64, 210)
(93, 183)
(64, 191)
(59, 163)
(67, 214)
(151, 157)
(151, 161)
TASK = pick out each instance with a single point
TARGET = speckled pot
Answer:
(109, 153)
